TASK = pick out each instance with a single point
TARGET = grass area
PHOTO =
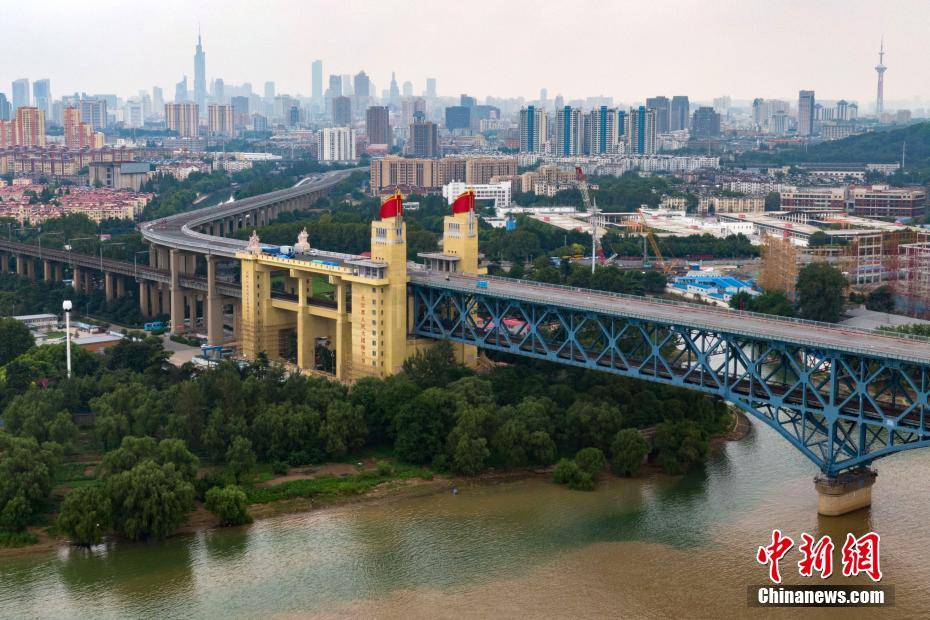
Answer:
(51, 335)
(321, 287)
(72, 476)
(330, 487)
(17, 539)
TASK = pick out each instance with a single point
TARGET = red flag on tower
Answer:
(393, 206)
(465, 202)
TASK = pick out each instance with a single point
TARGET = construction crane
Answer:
(597, 252)
(647, 233)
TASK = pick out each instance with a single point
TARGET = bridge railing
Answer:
(685, 306)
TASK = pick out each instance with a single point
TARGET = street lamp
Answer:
(135, 264)
(66, 306)
(46, 233)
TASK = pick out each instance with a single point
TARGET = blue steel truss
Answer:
(841, 410)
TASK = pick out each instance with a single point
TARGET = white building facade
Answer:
(336, 144)
(500, 193)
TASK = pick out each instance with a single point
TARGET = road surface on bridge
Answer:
(808, 333)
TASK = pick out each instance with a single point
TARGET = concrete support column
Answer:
(108, 286)
(58, 273)
(144, 298)
(47, 270)
(343, 332)
(120, 287)
(30, 268)
(76, 278)
(20, 265)
(214, 306)
(847, 492)
(177, 295)
(88, 282)
(153, 256)
(155, 299)
(305, 336)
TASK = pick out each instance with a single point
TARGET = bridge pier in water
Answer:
(845, 492)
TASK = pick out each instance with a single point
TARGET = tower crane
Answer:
(647, 232)
(597, 251)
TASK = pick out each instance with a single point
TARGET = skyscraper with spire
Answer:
(880, 70)
(200, 75)
(394, 93)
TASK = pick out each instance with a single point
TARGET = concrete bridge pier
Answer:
(177, 294)
(59, 276)
(847, 492)
(88, 282)
(47, 274)
(77, 278)
(30, 268)
(144, 298)
(108, 286)
(20, 265)
(213, 306)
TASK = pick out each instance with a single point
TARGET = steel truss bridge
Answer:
(843, 397)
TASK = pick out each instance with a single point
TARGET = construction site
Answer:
(898, 258)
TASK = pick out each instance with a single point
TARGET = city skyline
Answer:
(239, 46)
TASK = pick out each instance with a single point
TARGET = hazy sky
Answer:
(630, 50)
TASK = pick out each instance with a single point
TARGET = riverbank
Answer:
(402, 483)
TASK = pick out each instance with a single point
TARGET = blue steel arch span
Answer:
(843, 397)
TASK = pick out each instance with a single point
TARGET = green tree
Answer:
(26, 472)
(86, 515)
(343, 429)
(591, 461)
(229, 504)
(541, 448)
(568, 473)
(881, 299)
(627, 452)
(15, 339)
(149, 501)
(240, 458)
(422, 425)
(469, 455)
(820, 292)
(681, 446)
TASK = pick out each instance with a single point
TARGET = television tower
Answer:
(880, 70)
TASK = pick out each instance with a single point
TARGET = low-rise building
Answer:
(731, 204)
(884, 201)
(498, 192)
(813, 198)
(120, 175)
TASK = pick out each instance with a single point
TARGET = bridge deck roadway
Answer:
(752, 325)
(178, 231)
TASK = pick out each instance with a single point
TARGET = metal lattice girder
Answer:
(842, 410)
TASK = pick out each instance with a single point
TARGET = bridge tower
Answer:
(379, 302)
(460, 241)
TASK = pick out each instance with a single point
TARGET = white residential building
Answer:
(336, 144)
(500, 193)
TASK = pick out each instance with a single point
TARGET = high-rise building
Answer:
(94, 113)
(336, 144)
(663, 112)
(240, 106)
(408, 89)
(7, 134)
(431, 88)
(158, 100)
(705, 123)
(458, 117)
(71, 121)
(335, 86)
(394, 95)
(806, 105)
(20, 93)
(643, 131)
(180, 91)
(200, 75)
(759, 116)
(680, 113)
(316, 81)
(220, 120)
(42, 95)
(134, 113)
(534, 129)
(467, 102)
(269, 91)
(842, 110)
(722, 105)
(602, 131)
(880, 69)
(183, 118)
(259, 122)
(342, 111)
(6, 109)
(362, 85)
(377, 125)
(219, 91)
(29, 127)
(424, 139)
(569, 132)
